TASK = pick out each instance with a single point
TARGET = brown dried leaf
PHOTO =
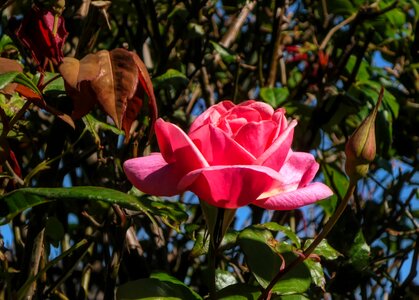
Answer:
(116, 83)
(116, 80)
(77, 76)
(69, 69)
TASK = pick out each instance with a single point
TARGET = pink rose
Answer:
(234, 155)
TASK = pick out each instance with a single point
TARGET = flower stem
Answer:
(326, 229)
(211, 269)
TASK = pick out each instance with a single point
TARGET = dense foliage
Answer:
(323, 61)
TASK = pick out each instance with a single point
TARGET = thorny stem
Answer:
(306, 253)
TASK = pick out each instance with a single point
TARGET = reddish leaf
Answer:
(30, 94)
(37, 34)
(147, 85)
(77, 76)
(115, 80)
(117, 83)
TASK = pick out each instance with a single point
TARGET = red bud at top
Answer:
(361, 148)
(43, 33)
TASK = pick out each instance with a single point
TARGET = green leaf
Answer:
(339, 7)
(226, 54)
(195, 30)
(295, 77)
(297, 280)
(171, 77)
(274, 96)
(323, 249)
(55, 84)
(363, 71)
(285, 230)
(223, 279)
(94, 125)
(371, 90)
(264, 262)
(6, 43)
(167, 210)
(17, 77)
(360, 252)
(239, 291)
(291, 297)
(338, 182)
(12, 105)
(158, 286)
(7, 78)
(316, 271)
(201, 244)
(19, 200)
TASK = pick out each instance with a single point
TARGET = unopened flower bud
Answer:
(361, 147)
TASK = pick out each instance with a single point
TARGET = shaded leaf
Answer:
(54, 231)
(19, 200)
(259, 246)
(226, 54)
(297, 280)
(239, 291)
(359, 252)
(171, 77)
(261, 258)
(158, 286)
(338, 182)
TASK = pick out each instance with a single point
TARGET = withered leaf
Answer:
(115, 80)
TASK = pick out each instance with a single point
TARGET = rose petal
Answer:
(256, 136)
(265, 110)
(281, 120)
(228, 186)
(300, 167)
(274, 157)
(298, 170)
(218, 148)
(152, 175)
(290, 200)
(245, 112)
(211, 115)
(176, 147)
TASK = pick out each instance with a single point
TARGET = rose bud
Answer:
(360, 148)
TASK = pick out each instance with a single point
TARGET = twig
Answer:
(30, 285)
(234, 29)
(413, 269)
(277, 52)
(325, 14)
(207, 86)
(15, 176)
(32, 279)
(335, 29)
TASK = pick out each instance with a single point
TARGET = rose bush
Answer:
(234, 155)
